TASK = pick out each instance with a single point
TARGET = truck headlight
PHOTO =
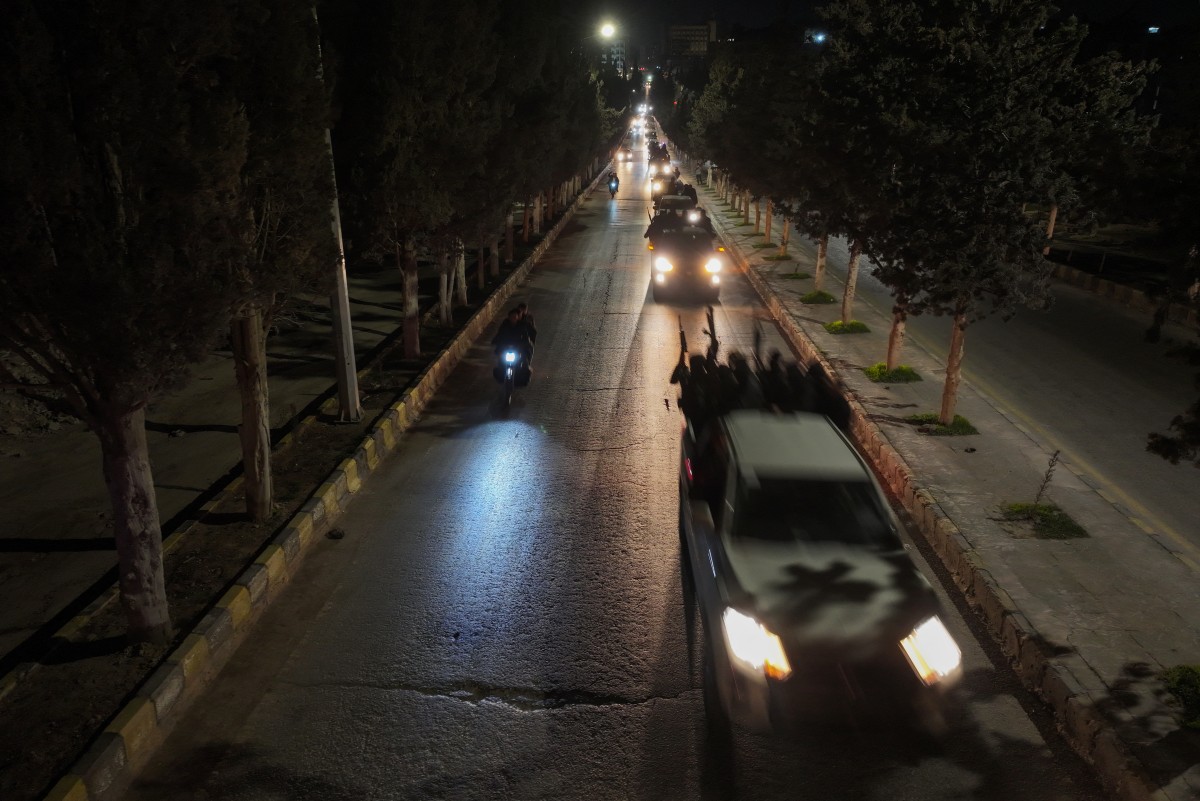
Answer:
(713, 265)
(751, 643)
(662, 265)
(932, 652)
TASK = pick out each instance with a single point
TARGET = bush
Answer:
(1049, 522)
(851, 327)
(903, 374)
(761, 245)
(1183, 682)
(819, 296)
(778, 257)
(959, 427)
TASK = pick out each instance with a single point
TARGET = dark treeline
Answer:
(943, 140)
(167, 182)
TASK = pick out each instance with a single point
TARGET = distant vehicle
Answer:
(808, 598)
(625, 154)
(686, 262)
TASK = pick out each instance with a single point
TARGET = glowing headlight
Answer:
(657, 185)
(693, 216)
(510, 356)
(752, 643)
(932, 652)
(653, 169)
(662, 265)
(713, 265)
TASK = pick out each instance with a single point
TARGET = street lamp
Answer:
(607, 30)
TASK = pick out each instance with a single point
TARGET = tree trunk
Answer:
(767, 226)
(481, 268)
(851, 281)
(526, 221)
(412, 308)
(443, 268)
(954, 358)
(786, 237)
(1050, 229)
(508, 239)
(746, 207)
(822, 252)
(537, 214)
(757, 217)
(136, 528)
(494, 263)
(896, 337)
(460, 278)
(345, 367)
(249, 345)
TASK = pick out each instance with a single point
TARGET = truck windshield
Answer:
(807, 510)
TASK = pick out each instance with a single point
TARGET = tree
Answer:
(285, 193)
(124, 143)
(978, 97)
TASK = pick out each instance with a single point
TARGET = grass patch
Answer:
(1049, 522)
(901, 375)
(743, 223)
(1183, 682)
(819, 296)
(961, 425)
(779, 257)
(760, 245)
(798, 275)
(850, 327)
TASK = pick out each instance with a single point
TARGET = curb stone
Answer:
(1088, 733)
(131, 737)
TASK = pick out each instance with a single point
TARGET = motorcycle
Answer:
(511, 372)
(612, 188)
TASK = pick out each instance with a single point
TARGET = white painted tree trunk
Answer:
(443, 268)
(757, 217)
(954, 359)
(136, 528)
(851, 281)
(767, 226)
(1050, 229)
(508, 240)
(822, 252)
(412, 307)
(537, 214)
(746, 207)
(785, 237)
(460, 275)
(249, 345)
(896, 337)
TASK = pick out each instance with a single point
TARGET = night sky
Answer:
(644, 20)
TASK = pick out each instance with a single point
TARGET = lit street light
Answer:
(607, 30)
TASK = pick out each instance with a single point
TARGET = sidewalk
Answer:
(1089, 623)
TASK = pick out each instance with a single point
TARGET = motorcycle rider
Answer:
(513, 334)
(614, 183)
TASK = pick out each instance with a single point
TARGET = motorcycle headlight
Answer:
(752, 643)
(510, 356)
(713, 265)
(693, 216)
(932, 652)
(662, 265)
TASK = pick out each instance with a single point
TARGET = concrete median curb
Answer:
(1093, 737)
(131, 737)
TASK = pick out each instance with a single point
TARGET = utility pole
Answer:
(349, 401)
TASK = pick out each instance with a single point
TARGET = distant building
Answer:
(614, 56)
(690, 41)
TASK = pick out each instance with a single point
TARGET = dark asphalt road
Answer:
(505, 618)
